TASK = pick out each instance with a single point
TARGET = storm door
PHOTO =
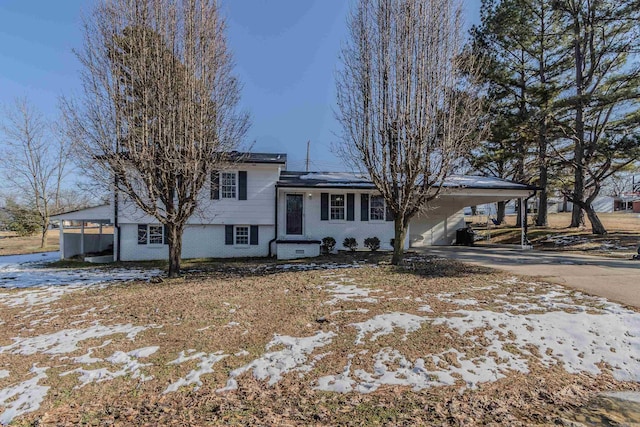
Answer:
(294, 214)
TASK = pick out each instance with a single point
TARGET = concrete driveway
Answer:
(614, 279)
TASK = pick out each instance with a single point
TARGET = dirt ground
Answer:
(229, 313)
(12, 244)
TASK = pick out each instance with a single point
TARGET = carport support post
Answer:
(82, 239)
(62, 239)
(523, 218)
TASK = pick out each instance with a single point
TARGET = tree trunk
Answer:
(43, 237)
(541, 219)
(577, 216)
(398, 242)
(474, 210)
(519, 213)
(596, 224)
(501, 212)
(175, 249)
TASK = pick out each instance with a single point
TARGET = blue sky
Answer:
(286, 54)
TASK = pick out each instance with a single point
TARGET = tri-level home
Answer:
(257, 208)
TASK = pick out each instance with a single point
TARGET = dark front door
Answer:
(294, 213)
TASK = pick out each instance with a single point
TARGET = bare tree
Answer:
(159, 105)
(405, 102)
(34, 161)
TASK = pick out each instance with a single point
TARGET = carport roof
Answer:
(294, 179)
(102, 213)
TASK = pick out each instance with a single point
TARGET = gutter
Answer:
(275, 231)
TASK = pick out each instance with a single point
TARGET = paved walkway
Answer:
(615, 279)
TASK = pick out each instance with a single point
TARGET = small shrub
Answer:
(350, 243)
(373, 243)
(328, 243)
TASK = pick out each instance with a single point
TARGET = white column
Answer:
(523, 218)
(61, 239)
(82, 239)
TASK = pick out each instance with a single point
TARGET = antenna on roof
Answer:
(308, 144)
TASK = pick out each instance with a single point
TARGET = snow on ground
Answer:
(128, 362)
(23, 397)
(66, 341)
(205, 366)
(25, 271)
(274, 365)
(384, 324)
(348, 292)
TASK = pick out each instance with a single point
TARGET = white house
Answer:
(260, 209)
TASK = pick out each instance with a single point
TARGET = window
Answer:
(242, 235)
(151, 234)
(337, 207)
(155, 235)
(142, 234)
(376, 208)
(228, 185)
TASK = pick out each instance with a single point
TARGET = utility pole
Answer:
(308, 144)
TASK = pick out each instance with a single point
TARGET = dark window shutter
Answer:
(389, 214)
(142, 234)
(165, 231)
(364, 207)
(253, 235)
(324, 206)
(215, 185)
(228, 234)
(350, 206)
(242, 185)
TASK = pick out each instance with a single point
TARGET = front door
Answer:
(294, 214)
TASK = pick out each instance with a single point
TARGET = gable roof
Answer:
(357, 181)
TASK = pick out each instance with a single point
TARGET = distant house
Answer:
(261, 209)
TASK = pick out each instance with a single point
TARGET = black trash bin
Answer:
(465, 236)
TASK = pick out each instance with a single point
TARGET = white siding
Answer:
(437, 227)
(257, 209)
(198, 241)
(315, 228)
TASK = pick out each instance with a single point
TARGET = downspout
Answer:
(275, 231)
(116, 226)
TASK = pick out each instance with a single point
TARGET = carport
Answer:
(437, 225)
(87, 233)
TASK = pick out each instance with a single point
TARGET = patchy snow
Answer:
(25, 271)
(4, 373)
(66, 341)
(274, 365)
(347, 292)
(129, 365)
(335, 177)
(205, 366)
(426, 308)
(384, 324)
(580, 341)
(23, 397)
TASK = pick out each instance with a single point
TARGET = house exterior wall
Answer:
(204, 236)
(257, 209)
(315, 228)
(438, 226)
(198, 241)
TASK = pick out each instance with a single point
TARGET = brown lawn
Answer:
(237, 308)
(621, 241)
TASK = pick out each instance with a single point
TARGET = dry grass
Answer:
(286, 303)
(621, 241)
(12, 244)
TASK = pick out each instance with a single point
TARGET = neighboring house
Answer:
(260, 209)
